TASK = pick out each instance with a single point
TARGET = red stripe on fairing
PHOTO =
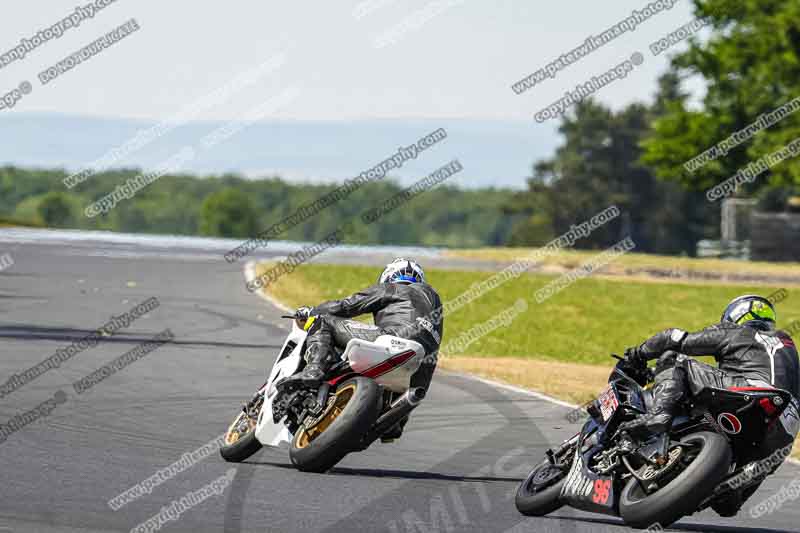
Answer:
(337, 379)
(379, 369)
(759, 389)
(390, 364)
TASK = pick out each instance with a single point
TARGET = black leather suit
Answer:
(411, 312)
(747, 356)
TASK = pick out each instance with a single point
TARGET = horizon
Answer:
(299, 151)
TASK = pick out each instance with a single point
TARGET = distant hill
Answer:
(493, 152)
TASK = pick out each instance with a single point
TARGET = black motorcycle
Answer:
(664, 477)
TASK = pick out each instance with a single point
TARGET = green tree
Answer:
(55, 210)
(597, 166)
(443, 216)
(228, 213)
(750, 66)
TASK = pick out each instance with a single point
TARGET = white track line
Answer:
(519, 390)
(250, 275)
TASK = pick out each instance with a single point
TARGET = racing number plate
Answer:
(608, 402)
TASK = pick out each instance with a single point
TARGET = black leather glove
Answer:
(634, 357)
(635, 365)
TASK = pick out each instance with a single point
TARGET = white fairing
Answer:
(378, 359)
(268, 432)
(389, 360)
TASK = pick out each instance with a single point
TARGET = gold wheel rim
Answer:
(307, 435)
(233, 435)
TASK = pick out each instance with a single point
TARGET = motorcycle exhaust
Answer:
(399, 409)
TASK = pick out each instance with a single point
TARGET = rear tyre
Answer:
(539, 494)
(349, 415)
(680, 497)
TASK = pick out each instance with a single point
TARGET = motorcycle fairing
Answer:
(584, 489)
(390, 360)
(268, 432)
(742, 414)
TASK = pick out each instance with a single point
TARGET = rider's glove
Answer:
(635, 357)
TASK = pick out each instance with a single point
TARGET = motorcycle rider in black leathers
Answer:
(750, 353)
(402, 305)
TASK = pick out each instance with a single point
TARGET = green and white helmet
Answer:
(749, 307)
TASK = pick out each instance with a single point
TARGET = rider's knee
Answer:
(667, 361)
(321, 324)
(670, 366)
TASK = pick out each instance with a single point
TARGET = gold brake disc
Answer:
(317, 427)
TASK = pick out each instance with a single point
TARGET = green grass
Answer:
(6, 222)
(583, 323)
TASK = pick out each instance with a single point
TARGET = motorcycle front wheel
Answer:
(240, 439)
(539, 494)
(351, 411)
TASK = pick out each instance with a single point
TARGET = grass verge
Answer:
(13, 223)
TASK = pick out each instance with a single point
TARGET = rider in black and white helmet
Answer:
(401, 303)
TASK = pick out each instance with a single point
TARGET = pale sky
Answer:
(458, 63)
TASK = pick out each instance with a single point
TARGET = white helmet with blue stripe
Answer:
(402, 271)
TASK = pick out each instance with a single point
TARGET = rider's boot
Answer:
(667, 395)
(317, 365)
(394, 432)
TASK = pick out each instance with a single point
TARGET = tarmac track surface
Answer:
(456, 468)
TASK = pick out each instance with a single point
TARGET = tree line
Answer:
(232, 206)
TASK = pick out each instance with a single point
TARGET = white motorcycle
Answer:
(364, 394)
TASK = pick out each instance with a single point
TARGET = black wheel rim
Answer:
(638, 493)
(542, 477)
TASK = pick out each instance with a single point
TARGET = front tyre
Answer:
(351, 411)
(707, 458)
(240, 439)
(539, 494)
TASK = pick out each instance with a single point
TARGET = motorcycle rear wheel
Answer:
(680, 496)
(349, 415)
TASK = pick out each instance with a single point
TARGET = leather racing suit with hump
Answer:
(749, 355)
(410, 311)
